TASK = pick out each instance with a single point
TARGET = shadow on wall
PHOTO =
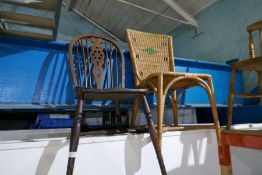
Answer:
(196, 155)
(54, 81)
(48, 156)
(133, 149)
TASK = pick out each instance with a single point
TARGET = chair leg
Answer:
(135, 111)
(160, 108)
(231, 99)
(225, 164)
(225, 160)
(74, 139)
(214, 110)
(153, 135)
(175, 108)
(118, 115)
(260, 84)
(160, 116)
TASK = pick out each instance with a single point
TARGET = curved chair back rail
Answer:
(96, 62)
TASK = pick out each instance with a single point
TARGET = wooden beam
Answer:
(68, 4)
(252, 131)
(243, 139)
(154, 12)
(187, 127)
(94, 23)
(181, 11)
(57, 18)
(248, 95)
(28, 35)
(28, 19)
(37, 4)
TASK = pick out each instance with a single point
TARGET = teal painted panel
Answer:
(224, 34)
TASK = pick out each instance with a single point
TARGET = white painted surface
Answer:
(187, 152)
(248, 126)
(185, 116)
(246, 161)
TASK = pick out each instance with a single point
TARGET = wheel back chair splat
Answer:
(98, 73)
(153, 64)
(252, 64)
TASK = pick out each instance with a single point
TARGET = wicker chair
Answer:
(153, 63)
(98, 73)
(252, 64)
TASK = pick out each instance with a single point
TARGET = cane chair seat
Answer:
(97, 69)
(254, 63)
(153, 63)
(186, 79)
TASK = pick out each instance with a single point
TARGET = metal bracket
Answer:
(197, 33)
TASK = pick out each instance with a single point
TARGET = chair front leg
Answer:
(213, 105)
(153, 135)
(224, 152)
(160, 109)
(175, 108)
(118, 115)
(231, 96)
(74, 139)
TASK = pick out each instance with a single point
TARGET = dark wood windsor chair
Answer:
(98, 73)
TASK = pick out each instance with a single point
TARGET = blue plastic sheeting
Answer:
(37, 72)
(30, 74)
(48, 121)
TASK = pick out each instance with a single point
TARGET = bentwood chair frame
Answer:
(153, 63)
(252, 64)
(98, 73)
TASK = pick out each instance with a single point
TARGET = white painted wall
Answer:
(188, 152)
(185, 116)
(246, 161)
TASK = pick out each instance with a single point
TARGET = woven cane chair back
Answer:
(96, 62)
(150, 53)
(251, 29)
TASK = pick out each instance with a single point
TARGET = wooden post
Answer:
(231, 96)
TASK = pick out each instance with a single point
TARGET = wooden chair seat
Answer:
(109, 94)
(178, 74)
(254, 64)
